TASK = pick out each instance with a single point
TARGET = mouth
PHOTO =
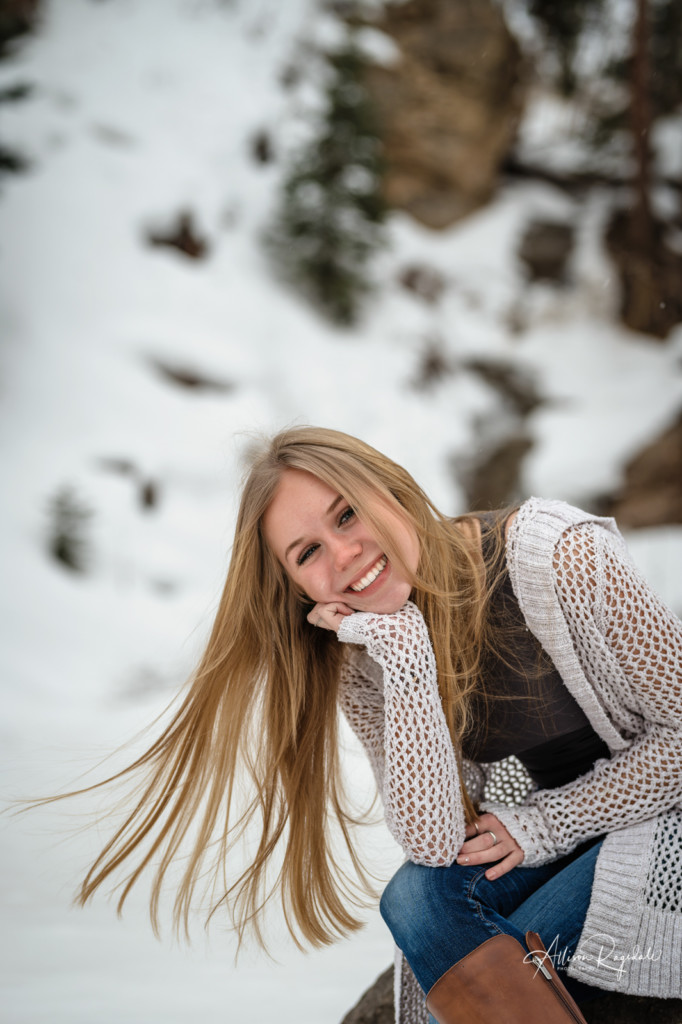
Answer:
(370, 576)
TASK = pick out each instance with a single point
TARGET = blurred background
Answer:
(453, 229)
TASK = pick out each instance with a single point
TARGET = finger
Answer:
(489, 823)
(512, 860)
(482, 850)
(314, 616)
(319, 618)
(328, 616)
(482, 842)
(487, 820)
(474, 857)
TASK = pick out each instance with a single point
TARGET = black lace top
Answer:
(537, 720)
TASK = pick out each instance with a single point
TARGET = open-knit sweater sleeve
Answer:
(629, 644)
(401, 723)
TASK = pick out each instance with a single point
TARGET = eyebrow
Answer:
(329, 511)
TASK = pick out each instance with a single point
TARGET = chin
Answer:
(387, 604)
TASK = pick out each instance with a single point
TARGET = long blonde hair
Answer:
(263, 702)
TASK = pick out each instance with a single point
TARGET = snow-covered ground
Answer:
(140, 110)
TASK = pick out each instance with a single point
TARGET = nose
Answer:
(345, 552)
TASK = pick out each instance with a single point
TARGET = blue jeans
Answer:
(438, 915)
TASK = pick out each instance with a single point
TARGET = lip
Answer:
(375, 584)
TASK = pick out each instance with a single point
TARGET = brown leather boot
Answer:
(500, 983)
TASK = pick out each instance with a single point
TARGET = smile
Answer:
(370, 575)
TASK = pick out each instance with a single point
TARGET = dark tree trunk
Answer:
(642, 220)
(650, 271)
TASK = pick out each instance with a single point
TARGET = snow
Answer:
(138, 111)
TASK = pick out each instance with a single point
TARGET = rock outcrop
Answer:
(545, 249)
(376, 1005)
(651, 492)
(650, 277)
(491, 471)
(448, 109)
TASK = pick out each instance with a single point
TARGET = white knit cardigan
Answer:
(618, 650)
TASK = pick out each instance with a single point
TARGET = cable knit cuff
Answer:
(527, 825)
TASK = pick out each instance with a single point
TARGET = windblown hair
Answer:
(261, 709)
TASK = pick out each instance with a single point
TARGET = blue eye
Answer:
(346, 516)
(306, 554)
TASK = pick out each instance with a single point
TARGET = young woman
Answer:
(450, 645)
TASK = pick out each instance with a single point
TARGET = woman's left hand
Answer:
(480, 848)
(329, 616)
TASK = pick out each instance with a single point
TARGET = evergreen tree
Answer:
(331, 210)
(648, 85)
(564, 24)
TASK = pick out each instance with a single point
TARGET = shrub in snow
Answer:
(16, 18)
(183, 235)
(329, 220)
(67, 542)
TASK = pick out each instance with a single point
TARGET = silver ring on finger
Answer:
(495, 839)
(476, 827)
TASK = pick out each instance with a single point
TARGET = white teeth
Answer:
(371, 575)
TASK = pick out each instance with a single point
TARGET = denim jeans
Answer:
(438, 915)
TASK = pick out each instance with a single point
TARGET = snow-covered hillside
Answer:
(140, 110)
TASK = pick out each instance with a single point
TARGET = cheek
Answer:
(318, 591)
(312, 587)
(413, 551)
(403, 591)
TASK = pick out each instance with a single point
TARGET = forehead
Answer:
(298, 487)
(300, 502)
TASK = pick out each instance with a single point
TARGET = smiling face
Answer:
(330, 553)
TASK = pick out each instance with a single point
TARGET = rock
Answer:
(148, 491)
(183, 236)
(490, 479)
(262, 149)
(186, 376)
(434, 366)
(490, 472)
(376, 1007)
(423, 281)
(651, 280)
(447, 111)
(651, 492)
(545, 249)
(148, 494)
(516, 386)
